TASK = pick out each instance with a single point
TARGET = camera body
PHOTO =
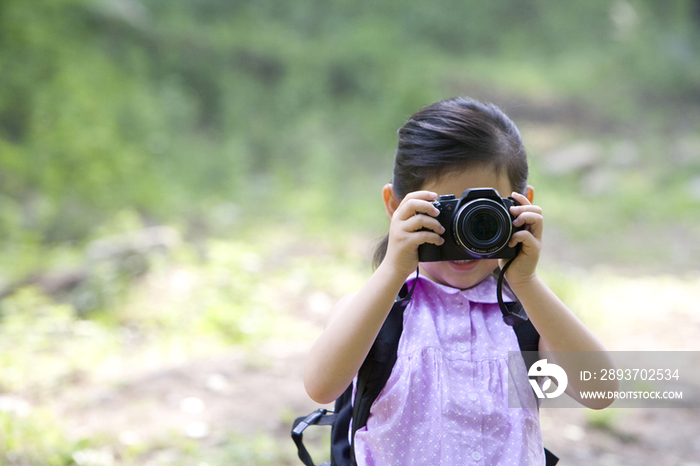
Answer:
(478, 225)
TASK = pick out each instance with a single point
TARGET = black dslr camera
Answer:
(477, 226)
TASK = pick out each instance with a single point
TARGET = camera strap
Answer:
(513, 312)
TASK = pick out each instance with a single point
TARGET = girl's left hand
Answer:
(523, 268)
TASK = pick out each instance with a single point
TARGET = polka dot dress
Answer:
(446, 401)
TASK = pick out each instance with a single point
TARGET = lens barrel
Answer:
(482, 227)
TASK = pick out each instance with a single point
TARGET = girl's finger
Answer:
(527, 218)
(411, 207)
(518, 209)
(424, 195)
(532, 221)
(525, 237)
(520, 198)
(422, 237)
(421, 222)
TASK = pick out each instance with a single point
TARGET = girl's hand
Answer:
(523, 268)
(412, 224)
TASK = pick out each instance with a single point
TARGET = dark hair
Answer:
(454, 135)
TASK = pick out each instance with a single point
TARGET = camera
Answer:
(478, 225)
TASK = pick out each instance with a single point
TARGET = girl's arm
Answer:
(560, 330)
(356, 319)
(352, 327)
(566, 341)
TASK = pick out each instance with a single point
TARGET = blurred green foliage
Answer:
(34, 440)
(166, 107)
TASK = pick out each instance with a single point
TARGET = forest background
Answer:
(186, 187)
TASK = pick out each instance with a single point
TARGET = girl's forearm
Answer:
(554, 321)
(352, 327)
(565, 339)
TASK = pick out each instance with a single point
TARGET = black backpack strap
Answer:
(528, 338)
(340, 440)
(339, 420)
(320, 417)
(529, 341)
(550, 459)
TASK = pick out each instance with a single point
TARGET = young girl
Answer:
(446, 401)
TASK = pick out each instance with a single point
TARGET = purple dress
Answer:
(446, 401)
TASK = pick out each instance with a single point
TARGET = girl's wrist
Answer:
(522, 285)
(392, 275)
(399, 266)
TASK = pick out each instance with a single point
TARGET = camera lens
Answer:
(482, 227)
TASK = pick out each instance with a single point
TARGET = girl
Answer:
(446, 401)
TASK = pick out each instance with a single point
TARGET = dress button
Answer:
(476, 456)
(473, 396)
(462, 347)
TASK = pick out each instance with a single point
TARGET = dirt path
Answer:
(238, 397)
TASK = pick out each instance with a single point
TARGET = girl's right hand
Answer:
(412, 224)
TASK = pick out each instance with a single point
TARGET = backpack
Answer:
(374, 373)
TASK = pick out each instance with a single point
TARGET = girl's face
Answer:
(464, 274)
